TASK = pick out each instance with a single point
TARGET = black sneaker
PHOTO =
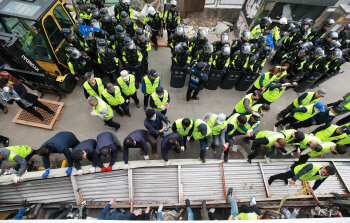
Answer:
(62, 206)
(177, 150)
(43, 120)
(187, 202)
(156, 46)
(225, 157)
(128, 114)
(195, 98)
(286, 181)
(7, 143)
(121, 114)
(203, 160)
(279, 117)
(53, 113)
(204, 204)
(229, 192)
(249, 161)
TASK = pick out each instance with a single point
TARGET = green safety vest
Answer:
(325, 135)
(115, 100)
(247, 125)
(273, 95)
(22, 151)
(311, 174)
(101, 104)
(127, 90)
(288, 135)
(197, 135)
(90, 91)
(347, 106)
(157, 100)
(284, 73)
(345, 140)
(240, 106)
(267, 80)
(180, 129)
(302, 116)
(308, 138)
(216, 129)
(307, 100)
(270, 135)
(276, 33)
(150, 88)
(248, 216)
(233, 121)
(326, 148)
(257, 32)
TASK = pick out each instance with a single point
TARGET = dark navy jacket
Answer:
(89, 147)
(140, 137)
(165, 147)
(61, 143)
(153, 127)
(108, 139)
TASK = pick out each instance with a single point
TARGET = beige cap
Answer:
(124, 74)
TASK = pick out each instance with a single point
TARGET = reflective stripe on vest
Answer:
(307, 100)
(247, 125)
(91, 91)
(127, 90)
(115, 100)
(101, 104)
(197, 135)
(288, 135)
(216, 129)
(157, 100)
(308, 138)
(233, 121)
(326, 148)
(150, 88)
(302, 116)
(271, 136)
(267, 80)
(272, 96)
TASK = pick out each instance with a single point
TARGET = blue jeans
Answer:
(216, 141)
(234, 208)
(203, 146)
(160, 216)
(190, 214)
(273, 151)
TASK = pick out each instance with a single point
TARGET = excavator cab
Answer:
(34, 27)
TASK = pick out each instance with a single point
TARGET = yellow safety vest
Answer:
(233, 121)
(101, 104)
(270, 135)
(150, 88)
(307, 100)
(302, 116)
(127, 90)
(248, 216)
(216, 129)
(90, 91)
(157, 100)
(326, 148)
(325, 135)
(268, 78)
(240, 106)
(196, 134)
(311, 175)
(22, 151)
(247, 125)
(115, 100)
(288, 135)
(308, 138)
(273, 95)
(180, 129)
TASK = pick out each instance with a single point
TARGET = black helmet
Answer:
(224, 37)
(246, 48)
(79, 3)
(124, 16)
(129, 43)
(329, 22)
(139, 33)
(95, 23)
(68, 33)
(333, 44)
(346, 52)
(93, 7)
(104, 14)
(246, 33)
(208, 47)
(318, 51)
(181, 47)
(266, 20)
(73, 52)
(347, 35)
(202, 32)
(307, 21)
(262, 39)
(307, 45)
(336, 53)
(101, 45)
(120, 30)
(333, 35)
(347, 26)
(226, 49)
(94, 10)
(266, 50)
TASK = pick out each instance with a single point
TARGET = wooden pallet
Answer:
(25, 118)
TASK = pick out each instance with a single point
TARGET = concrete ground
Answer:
(76, 117)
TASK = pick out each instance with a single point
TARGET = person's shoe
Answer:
(188, 204)
(249, 161)
(286, 181)
(283, 127)
(160, 208)
(252, 201)
(279, 117)
(177, 150)
(212, 210)
(155, 155)
(141, 152)
(268, 160)
(138, 105)
(128, 114)
(156, 46)
(230, 191)
(70, 208)
(246, 140)
(274, 128)
(52, 113)
(6, 143)
(204, 204)
(203, 160)
(116, 129)
(225, 157)
(5, 110)
(233, 138)
(62, 206)
(43, 120)
(195, 98)
(145, 108)
(121, 114)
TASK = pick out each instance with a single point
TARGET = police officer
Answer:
(128, 24)
(102, 34)
(345, 42)
(321, 31)
(183, 127)
(335, 61)
(203, 133)
(71, 40)
(198, 78)
(259, 29)
(84, 12)
(93, 86)
(78, 62)
(260, 43)
(205, 55)
(145, 45)
(123, 6)
(314, 55)
(258, 60)
(95, 13)
(154, 20)
(298, 33)
(198, 42)
(297, 59)
(171, 18)
(238, 42)
(132, 57)
(276, 31)
(106, 22)
(217, 45)
(149, 84)
(127, 84)
(99, 3)
(117, 40)
(221, 59)
(160, 100)
(240, 58)
(331, 45)
(181, 56)
(322, 42)
(91, 50)
(77, 29)
(342, 33)
(112, 95)
(108, 60)
(178, 37)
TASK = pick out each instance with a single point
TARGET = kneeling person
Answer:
(171, 141)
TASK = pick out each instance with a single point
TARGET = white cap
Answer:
(124, 74)
(283, 20)
(151, 11)
(221, 118)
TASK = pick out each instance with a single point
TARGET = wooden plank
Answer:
(131, 189)
(313, 194)
(341, 178)
(223, 181)
(266, 182)
(181, 195)
(80, 197)
(75, 188)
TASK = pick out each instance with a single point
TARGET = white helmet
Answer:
(151, 11)
(283, 20)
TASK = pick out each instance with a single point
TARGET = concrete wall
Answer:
(228, 14)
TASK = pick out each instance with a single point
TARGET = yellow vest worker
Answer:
(128, 86)
(203, 133)
(113, 96)
(102, 110)
(93, 86)
(160, 100)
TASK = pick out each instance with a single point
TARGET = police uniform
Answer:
(118, 8)
(145, 46)
(196, 44)
(172, 19)
(109, 63)
(197, 80)
(130, 27)
(155, 22)
(78, 67)
(175, 39)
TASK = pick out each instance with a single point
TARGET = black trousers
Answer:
(252, 90)
(154, 37)
(111, 75)
(287, 110)
(145, 100)
(189, 92)
(134, 97)
(282, 176)
(170, 31)
(302, 160)
(344, 120)
(118, 108)
(262, 100)
(111, 123)
(254, 208)
(286, 120)
(303, 124)
(38, 104)
(2, 106)
(3, 138)
(256, 152)
(97, 70)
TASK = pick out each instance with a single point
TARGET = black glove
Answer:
(24, 204)
(138, 64)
